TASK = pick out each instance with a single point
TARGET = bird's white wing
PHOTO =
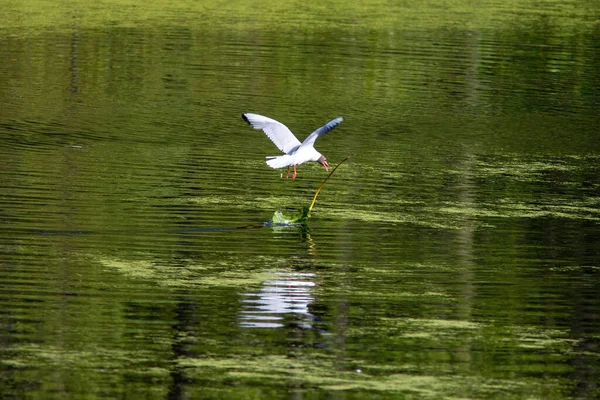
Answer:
(279, 134)
(310, 140)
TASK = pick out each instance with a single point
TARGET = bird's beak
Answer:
(323, 161)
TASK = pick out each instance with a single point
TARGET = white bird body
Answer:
(296, 153)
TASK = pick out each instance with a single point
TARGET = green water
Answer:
(454, 255)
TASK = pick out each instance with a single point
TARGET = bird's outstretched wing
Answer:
(310, 140)
(279, 134)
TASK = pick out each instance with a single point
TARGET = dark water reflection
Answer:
(454, 255)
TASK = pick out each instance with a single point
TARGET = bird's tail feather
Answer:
(280, 161)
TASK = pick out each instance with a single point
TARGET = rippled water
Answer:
(455, 254)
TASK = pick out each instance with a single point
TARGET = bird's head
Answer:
(323, 161)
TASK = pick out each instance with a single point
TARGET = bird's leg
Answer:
(294, 176)
(288, 174)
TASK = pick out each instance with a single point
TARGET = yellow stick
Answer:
(322, 184)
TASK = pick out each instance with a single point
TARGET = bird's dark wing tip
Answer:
(245, 118)
(332, 124)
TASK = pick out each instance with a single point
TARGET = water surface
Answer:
(454, 255)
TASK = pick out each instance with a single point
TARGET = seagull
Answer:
(296, 153)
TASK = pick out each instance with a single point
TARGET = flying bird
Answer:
(296, 153)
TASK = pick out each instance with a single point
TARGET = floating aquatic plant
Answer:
(280, 219)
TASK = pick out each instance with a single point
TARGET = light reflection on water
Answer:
(286, 297)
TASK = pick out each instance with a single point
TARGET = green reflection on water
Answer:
(468, 124)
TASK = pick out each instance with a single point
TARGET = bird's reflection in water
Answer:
(287, 295)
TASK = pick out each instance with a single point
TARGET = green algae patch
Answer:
(513, 208)
(416, 295)
(575, 268)
(304, 371)
(544, 339)
(234, 201)
(189, 274)
(36, 355)
(326, 373)
(441, 323)
(522, 169)
(456, 334)
(433, 330)
(372, 214)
